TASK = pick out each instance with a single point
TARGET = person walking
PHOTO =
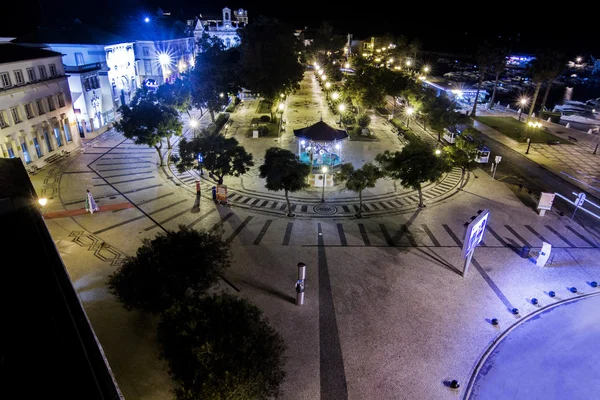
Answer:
(90, 203)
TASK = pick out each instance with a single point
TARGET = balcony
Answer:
(77, 69)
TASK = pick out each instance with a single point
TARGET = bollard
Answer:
(515, 311)
(534, 301)
(300, 284)
(494, 321)
(301, 271)
(454, 384)
(197, 186)
(573, 289)
(551, 293)
(593, 284)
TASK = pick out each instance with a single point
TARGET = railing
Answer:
(83, 68)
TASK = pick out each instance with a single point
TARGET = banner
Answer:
(546, 200)
(222, 193)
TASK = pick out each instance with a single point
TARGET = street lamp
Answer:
(328, 85)
(42, 201)
(347, 65)
(528, 145)
(335, 95)
(342, 108)
(438, 152)
(409, 112)
(523, 102)
(324, 171)
(280, 108)
(578, 60)
(426, 69)
(408, 62)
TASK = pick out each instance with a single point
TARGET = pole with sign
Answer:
(222, 194)
(578, 203)
(495, 165)
(200, 161)
(474, 236)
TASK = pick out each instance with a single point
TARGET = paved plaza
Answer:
(388, 314)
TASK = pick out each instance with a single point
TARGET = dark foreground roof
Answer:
(76, 33)
(48, 349)
(321, 132)
(12, 53)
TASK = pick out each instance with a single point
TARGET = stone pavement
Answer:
(575, 163)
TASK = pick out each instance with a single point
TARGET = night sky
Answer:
(455, 27)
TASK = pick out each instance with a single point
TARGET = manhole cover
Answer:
(325, 209)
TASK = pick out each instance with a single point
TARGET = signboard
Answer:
(580, 199)
(222, 193)
(544, 254)
(475, 231)
(546, 200)
(200, 158)
(498, 159)
(254, 134)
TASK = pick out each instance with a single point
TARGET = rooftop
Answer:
(75, 33)
(12, 53)
(321, 132)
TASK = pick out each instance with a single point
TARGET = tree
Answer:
(148, 122)
(440, 112)
(462, 155)
(269, 58)
(325, 40)
(366, 87)
(358, 180)
(397, 85)
(221, 347)
(170, 267)
(497, 65)
(554, 67)
(537, 71)
(415, 165)
(214, 76)
(283, 171)
(221, 156)
(176, 95)
(484, 60)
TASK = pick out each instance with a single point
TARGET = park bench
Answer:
(572, 138)
(553, 142)
(53, 157)
(33, 169)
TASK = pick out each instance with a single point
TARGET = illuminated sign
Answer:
(475, 231)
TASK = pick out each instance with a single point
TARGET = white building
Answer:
(84, 60)
(225, 27)
(37, 123)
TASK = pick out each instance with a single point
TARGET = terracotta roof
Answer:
(321, 132)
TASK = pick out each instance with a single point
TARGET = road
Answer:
(517, 169)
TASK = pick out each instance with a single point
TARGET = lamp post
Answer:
(523, 102)
(42, 202)
(324, 171)
(280, 107)
(342, 108)
(194, 125)
(528, 145)
(409, 112)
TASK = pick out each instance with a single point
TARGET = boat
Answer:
(580, 119)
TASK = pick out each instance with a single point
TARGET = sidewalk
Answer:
(574, 163)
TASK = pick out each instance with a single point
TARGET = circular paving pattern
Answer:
(325, 209)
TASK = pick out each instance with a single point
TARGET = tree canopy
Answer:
(462, 155)
(221, 156)
(169, 267)
(176, 95)
(366, 87)
(269, 58)
(358, 180)
(283, 171)
(221, 347)
(440, 112)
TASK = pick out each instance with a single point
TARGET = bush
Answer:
(236, 100)
(363, 120)
(230, 107)
(265, 118)
(263, 130)
(348, 118)
(218, 124)
(175, 158)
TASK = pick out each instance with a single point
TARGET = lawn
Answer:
(273, 129)
(355, 134)
(519, 130)
(264, 107)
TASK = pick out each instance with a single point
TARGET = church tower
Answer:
(226, 17)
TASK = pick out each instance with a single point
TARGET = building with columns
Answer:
(224, 27)
(37, 123)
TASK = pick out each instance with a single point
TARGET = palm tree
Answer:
(556, 65)
(498, 65)
(483, 61)
(540, 69)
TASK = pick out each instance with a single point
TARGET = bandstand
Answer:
(321, 145)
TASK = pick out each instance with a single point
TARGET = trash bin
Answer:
(525, 251)
(214, 193)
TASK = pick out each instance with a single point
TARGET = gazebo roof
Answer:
(321, 132)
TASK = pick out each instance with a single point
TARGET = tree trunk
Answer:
(169, 143)
(494, 92)
(212, 115)
(393, 105)
(462, 178)
(219, 178)
(359, 215)
(289, 206)
(421, 205)
(481, 76)
(160, 156)
(546, 95)
(535, 95)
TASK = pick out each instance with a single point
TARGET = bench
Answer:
(65, 153)
(53, 157)
(572, 138)
(553, 142)
(33, 169)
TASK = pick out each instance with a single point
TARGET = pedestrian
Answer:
(90, 203)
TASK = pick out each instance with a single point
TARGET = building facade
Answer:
(160, 61)
(37, 123)
(224, 27)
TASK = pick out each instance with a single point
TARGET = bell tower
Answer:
(227, 17)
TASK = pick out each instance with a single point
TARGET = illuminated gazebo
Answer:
(320, 145)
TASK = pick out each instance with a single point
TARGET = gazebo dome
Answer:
(321, 132)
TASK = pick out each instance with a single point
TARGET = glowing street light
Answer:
(146, 20)
(438, 152)
(409, 111)
(335, 95)
(193, 124)
(282, 95)
(324, 172)
(221, 95)
(523, 103)
(322, 73)
(164, 59)
(324, 78)
(426, 69)
(42, 202)
(342, 108)
(316, 65)
(578, 60)
(328, 85)
(281, 107)
(347, 65)
(408, 63)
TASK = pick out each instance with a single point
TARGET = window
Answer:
(67, 132)
(61, 100)
(133, 86)
(51, 106)
(146, 51)
(148, 67)
(29, 111)
(31, 74)
(36, 144)
(11, 152)
(58, 137)
(5, 79)
(79, 59)
(86, 84)
(52, 70)
(47, 139)
(3, 123)
(15, 114)
(40, 106)
(95, 82)
(19, 77)
(43, 74)
(25, 151)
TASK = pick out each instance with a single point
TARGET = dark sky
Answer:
(437, 24)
